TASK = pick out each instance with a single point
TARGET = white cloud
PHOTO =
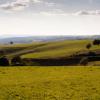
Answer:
(95, 12)
(15, 6)
(20, 5)
(54, 12)
(49, 4)
(37, 1)
(64, 13)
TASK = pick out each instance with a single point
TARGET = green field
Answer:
(55, 49)
(60, 49)
(50, 83)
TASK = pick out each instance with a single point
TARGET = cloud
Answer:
(37, 1)
(45, 7)
(54, 12)
(64, 13)
(20, 5)
(49, 4)
(16, 5)
(95, 12)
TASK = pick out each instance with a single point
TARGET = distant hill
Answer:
(45, 38)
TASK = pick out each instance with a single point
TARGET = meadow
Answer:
(55, 49)
(50, 83)
(46, 49)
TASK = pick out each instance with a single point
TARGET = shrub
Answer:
(88, 46)
(4, 61)
(17, 61)
(96, 42)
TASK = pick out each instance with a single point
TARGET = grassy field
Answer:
(50, 83)
(60, 49)
(55, 49)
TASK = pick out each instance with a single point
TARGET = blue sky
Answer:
(49, 17)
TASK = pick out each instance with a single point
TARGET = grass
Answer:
(50, 83)
(60, 49)
(55, 49)
(15, 49)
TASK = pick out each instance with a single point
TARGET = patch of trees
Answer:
(96, 42)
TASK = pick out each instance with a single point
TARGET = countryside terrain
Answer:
(58, 70)
(60, 53)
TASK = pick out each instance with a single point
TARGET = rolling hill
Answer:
(50, 51)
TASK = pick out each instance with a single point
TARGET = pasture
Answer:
(50, 83)
(46, 49)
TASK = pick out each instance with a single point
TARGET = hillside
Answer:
(58, 49)
(55, 51)
(46, 49)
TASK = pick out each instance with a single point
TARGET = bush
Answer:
(88, 46)
(17, 61)
(96, 42)
(4, 61)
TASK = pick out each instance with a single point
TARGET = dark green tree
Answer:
(88, 46)
(96, 42)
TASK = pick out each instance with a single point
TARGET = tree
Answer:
(88, 46)
(96, 42)
(11, 42)
(4, 61)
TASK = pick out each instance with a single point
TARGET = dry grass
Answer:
(50, 83)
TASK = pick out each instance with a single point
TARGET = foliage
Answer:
(4, 61)
(11, 42)
(96, 42)
(88, 46)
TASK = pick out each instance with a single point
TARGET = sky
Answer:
(49, 17)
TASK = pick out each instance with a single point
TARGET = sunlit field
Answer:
(49, 49)
(50, 83)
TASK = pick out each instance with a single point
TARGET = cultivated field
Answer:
(50, 83)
